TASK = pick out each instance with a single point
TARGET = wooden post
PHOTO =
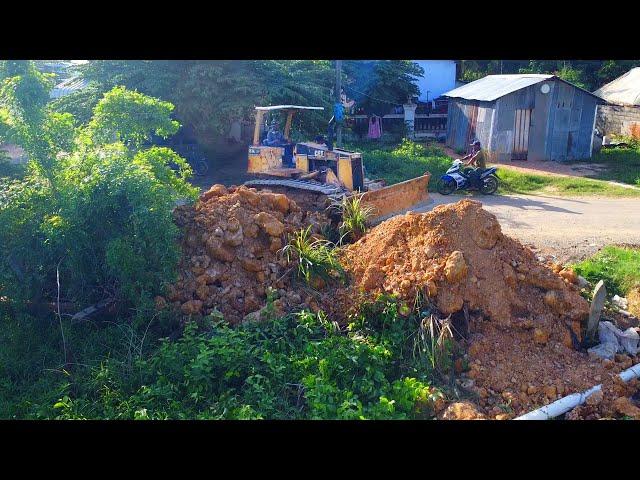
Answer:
(287, 125)
(256, 131)
(338, 89)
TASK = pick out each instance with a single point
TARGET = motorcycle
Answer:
(457, 179)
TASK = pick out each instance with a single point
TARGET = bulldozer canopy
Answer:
(288, 107)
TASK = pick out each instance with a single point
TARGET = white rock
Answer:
(619, 302)
(604, 350)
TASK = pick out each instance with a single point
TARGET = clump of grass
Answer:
(355, 215)
(315, 257)
(623, 165)
(618, 267)
(433, 342)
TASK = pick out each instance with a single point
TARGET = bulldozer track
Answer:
(331, 191)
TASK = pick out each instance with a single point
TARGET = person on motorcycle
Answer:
(475, 159)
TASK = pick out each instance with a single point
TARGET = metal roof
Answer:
(68, 86)
(624, 90)
(288, 107)
(492, 87)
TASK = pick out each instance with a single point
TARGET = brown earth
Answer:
(526, 318)
(231, 241)
(457, 255)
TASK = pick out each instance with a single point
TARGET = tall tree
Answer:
(378, 85)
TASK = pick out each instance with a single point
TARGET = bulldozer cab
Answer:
(272, 151)
(313, 168)
(272, 154)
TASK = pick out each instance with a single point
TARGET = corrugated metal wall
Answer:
(560, 128)
(571, 119)
(467, 121)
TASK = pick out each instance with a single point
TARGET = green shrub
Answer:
(96, 213)
(355, 215)
(314, 257)
(403, 162)
(296, 367)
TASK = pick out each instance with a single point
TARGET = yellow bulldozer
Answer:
(308, 171)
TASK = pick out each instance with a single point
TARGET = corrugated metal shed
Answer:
(519, 117)
(624, 90)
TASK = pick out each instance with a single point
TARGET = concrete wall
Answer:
(618, 120)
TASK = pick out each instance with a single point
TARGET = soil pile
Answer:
(230, 251)
(525, 317)
(457, 255)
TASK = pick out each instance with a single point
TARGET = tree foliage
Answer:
(209, 95)
(95, 207)
(379, 85)
(588, 74)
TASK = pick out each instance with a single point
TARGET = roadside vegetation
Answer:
(408, 159)
(295, 367)
(618, 267)
(623, 164)
(90, 218)
(512, 181)
(403, 161)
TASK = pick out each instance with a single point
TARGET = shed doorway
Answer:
(522, 124)
(473, 123)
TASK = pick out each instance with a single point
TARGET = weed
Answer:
(355, 215)
(315, 257)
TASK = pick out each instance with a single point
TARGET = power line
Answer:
(373, 98)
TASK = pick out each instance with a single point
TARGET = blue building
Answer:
(439, 77)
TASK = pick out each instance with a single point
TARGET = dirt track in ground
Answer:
(569, 228)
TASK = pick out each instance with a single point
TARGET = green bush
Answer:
(92, 217)
(296, 367)
(404, 161)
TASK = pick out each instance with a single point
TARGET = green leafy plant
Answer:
(314, 257)
(355, 214)
(92, 216)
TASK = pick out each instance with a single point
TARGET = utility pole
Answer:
(338, 100)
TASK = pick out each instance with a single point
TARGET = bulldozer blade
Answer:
(394, 199)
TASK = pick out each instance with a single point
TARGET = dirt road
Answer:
(569, 228)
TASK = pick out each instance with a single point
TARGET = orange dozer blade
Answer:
(397, 198)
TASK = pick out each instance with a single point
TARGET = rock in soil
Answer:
(231, 240)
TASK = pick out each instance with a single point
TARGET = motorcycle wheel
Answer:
(489, 185)
(446, 186)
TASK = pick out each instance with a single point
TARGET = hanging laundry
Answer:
(375, 127)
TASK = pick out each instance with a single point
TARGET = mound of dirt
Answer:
(230, 252)
(525, 317)
(457, 254)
